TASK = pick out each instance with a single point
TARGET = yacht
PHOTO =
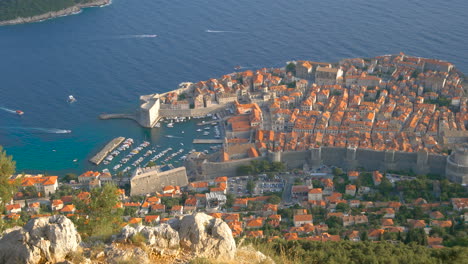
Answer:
(170, 125)
(71, 99)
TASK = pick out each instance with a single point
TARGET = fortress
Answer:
(153, 179)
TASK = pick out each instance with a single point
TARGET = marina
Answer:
(99, 157)
(160, 147)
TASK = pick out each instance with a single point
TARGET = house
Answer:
(177, 210)
(354, 236)
(158, 208)
(375, 234)
(441, 223)
(198, 186)
(46, 184)
(255, 223)
(68, 209)
(105, 177)
(354, 220)
(88, 176)
(300, 192)
(56, 205)
(416, 223)
(350, 189)
(34, 207)
(436, 215)
(387, 212)
(353, 175)
(152, 219)
(300, 220)
(254, 233)
(387, 222)
(315, 194)
(377, 177)
(269, 209)
(13, 208)
(328, 186)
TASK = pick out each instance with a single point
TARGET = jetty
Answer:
(207, 141)
(109, 147)
(118, 116)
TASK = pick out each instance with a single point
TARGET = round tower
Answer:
(456, 169)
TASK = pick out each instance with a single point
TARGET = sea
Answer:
(107, 57)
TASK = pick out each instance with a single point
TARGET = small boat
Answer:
(237, 67)
(75, 160)
(19, 112)
(158, 124)
(170, 125)
(71, 99)
(199, 130)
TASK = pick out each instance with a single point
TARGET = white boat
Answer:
(199, 130)
(170, 125)
(158, 124)
(71, 99)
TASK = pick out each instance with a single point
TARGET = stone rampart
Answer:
(342, 157)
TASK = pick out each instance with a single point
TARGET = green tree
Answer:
(274, 199)
(416, 235)
(70, 177)
(103, 217)
(334, 222)
(250, 186)
(7, 186)
(291, 67)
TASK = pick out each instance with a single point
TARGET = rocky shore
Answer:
(54, 14)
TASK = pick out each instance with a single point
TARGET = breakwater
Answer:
(99, 157)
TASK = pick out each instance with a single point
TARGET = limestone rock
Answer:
(162, 236)
(207, 236)
(115, 255)
(45, 239)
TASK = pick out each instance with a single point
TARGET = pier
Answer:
(118, 116)
(99, 157)
(207, 141)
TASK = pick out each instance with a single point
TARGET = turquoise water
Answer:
(102, 57)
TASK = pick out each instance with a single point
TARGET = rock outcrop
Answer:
(41, 240)
(200, 234)
(53, 14)
(207, 236)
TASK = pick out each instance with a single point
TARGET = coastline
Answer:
(55, 14)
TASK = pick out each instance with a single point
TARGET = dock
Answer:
(109, 147)
(207, 141)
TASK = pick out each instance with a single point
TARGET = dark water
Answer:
(102, 58)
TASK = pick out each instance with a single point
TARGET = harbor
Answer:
(168, 143)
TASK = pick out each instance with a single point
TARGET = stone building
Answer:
(327, 76)
(456, 169)
(152, 179)
(149, 110)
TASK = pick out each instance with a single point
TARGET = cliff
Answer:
(43, 13)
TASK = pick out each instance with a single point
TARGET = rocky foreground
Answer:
(55, 240)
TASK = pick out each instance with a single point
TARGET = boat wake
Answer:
(223, 31)
(40, 130)
(8, 110)
(137, 36)
(171, 136)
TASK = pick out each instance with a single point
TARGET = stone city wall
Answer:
(348, 159)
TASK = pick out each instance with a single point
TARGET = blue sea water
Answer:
(102, 58)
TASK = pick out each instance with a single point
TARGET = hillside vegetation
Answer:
(11, 9)
(292, 252)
